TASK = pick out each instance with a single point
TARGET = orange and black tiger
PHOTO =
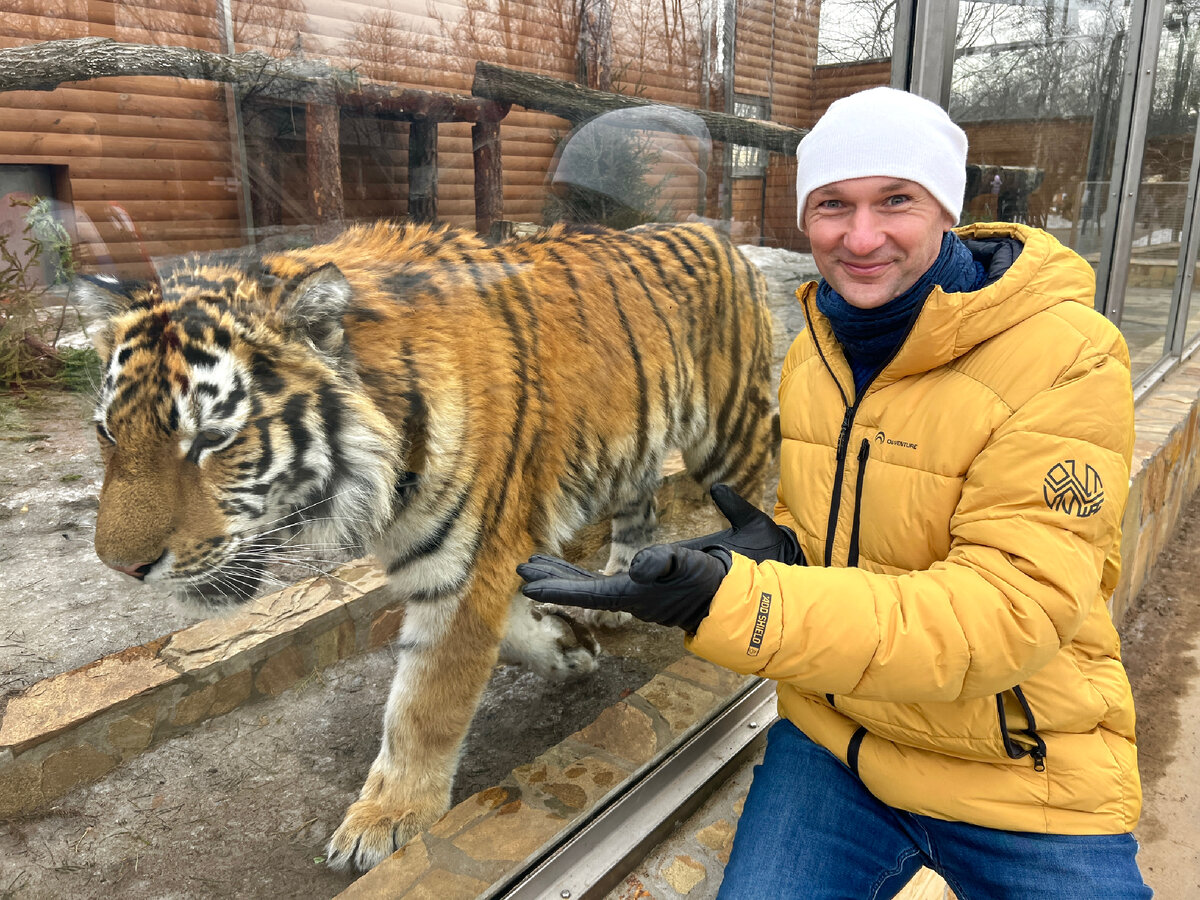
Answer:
(451, 405)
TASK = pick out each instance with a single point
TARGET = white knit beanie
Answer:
(883, 131)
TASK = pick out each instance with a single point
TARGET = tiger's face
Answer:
(220, 432)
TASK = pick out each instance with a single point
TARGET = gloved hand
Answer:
(752, 533)
(666, 583)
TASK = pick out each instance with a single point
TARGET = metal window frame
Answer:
(922, 62)
(1137, 91)
(923, 48)
(1189, 244)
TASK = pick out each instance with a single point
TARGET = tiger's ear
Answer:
(315, 307)
(100, 298)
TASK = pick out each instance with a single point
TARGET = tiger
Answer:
(448, 403)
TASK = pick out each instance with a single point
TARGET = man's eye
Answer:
(898, 199)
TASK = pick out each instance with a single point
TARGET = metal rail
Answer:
(593, 859)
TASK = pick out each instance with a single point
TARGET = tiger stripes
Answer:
(449, 404)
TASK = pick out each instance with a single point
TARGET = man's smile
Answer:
(864, 270)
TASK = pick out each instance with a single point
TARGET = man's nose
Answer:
(864, 235)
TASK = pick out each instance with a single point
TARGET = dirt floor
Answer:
(1161, 642)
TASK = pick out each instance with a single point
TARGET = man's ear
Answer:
(314, 309)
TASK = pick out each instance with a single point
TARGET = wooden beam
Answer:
(577, 104)
(46, 65)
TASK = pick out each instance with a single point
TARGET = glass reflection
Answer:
(1157, 254)
(1035, 86)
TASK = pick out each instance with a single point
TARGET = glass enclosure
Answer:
(134, 132)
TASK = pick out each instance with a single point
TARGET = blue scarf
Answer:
(870, 337)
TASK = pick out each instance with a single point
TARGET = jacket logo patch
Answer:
(881, 438)
(760, 625)
(1066, 490)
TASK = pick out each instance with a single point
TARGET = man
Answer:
(931, 596)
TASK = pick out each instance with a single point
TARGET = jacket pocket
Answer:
(1020, 740)
(965, 729)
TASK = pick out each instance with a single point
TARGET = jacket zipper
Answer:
(838, 475)
(1015, 751)
(864, 451)
(847, 422)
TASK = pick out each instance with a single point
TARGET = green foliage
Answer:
(29, 330)
(80, 368)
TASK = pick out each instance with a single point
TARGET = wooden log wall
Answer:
(154, 165)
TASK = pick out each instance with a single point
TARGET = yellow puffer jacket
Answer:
(949, 638)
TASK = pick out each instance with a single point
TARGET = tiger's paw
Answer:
(370, 834)
(602, 618)
(553, 643)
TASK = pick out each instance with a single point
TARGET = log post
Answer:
(322, 148)
(489, 177)
(422, 170)
(263, 169)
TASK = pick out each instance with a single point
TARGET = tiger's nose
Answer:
(139, 571)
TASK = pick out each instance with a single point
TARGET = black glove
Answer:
(667, 584)
(753, 532)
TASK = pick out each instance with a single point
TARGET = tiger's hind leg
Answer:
(742, 459)
(632, 529)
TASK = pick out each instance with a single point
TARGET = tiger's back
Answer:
(571, 362)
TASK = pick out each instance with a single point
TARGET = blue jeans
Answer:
(810, 830)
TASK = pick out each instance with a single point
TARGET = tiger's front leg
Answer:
(446, 650)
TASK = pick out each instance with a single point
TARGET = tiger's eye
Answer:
(209, 438)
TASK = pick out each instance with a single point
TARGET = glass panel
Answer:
(1156, 254)
(236, 130)
(1036, 87)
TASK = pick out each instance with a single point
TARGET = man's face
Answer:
(872, 238)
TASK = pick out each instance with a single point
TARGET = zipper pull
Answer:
(844, 434)
(864, 451)
(1039, 760)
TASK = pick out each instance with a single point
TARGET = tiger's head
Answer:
(231, 426)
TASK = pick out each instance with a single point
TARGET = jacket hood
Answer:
(1044, 274)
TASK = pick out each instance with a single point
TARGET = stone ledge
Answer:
(74, 728)
(1164, 475)
(491, 834)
